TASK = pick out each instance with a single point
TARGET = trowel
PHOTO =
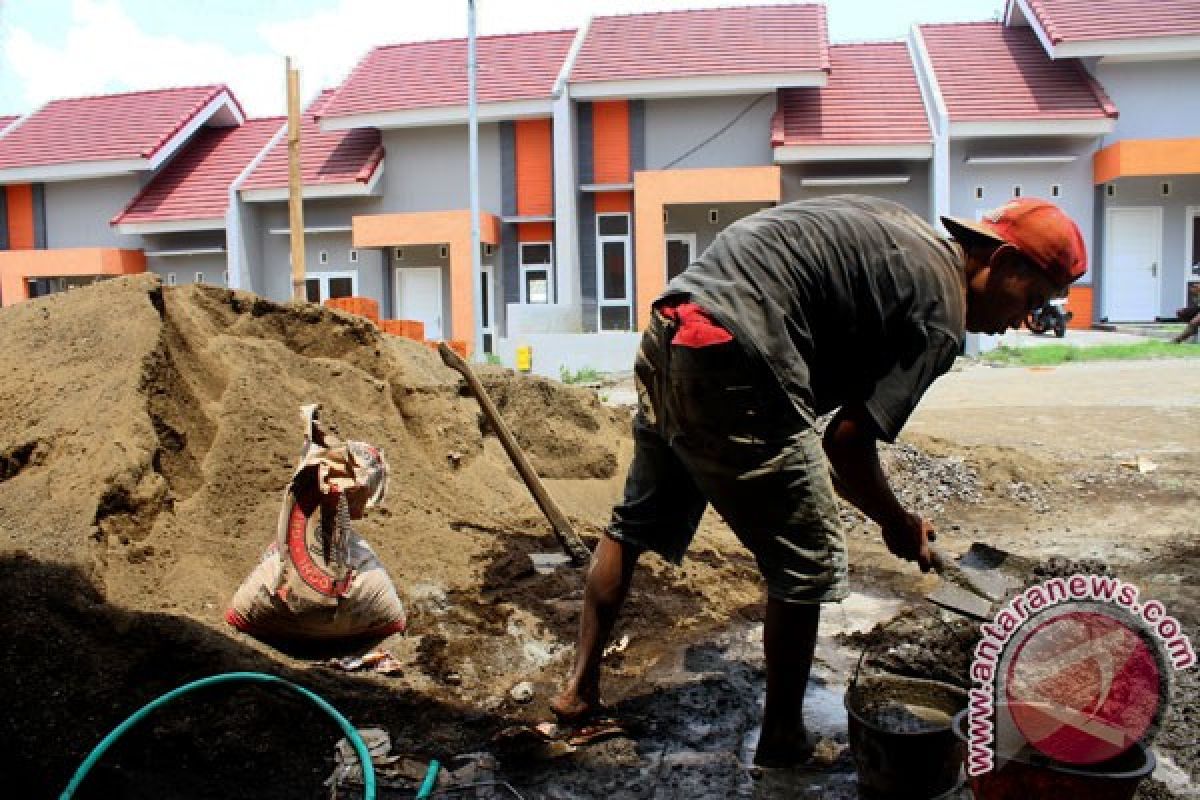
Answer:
(978, 581)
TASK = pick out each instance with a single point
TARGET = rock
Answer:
(522, 692)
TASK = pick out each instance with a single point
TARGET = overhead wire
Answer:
(719, 131)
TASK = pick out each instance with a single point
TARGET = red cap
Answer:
(1036, 227)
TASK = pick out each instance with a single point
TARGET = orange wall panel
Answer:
(612, 202)
(1079, 303)
(535, 232)
(17, 266)
(610, 142)
(20, 216)
(535, 167)
(1131, 158)
(653, 190)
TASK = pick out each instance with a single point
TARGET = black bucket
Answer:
(1030, 774)
(901, 737)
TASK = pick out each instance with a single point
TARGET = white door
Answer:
(681, 250)
(1132, 264)
(419, 297)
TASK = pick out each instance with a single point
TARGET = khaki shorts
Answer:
(711, 429)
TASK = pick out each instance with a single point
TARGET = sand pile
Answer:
(145, 437)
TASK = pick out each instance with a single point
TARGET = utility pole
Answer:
(473, 171)
(295, 189)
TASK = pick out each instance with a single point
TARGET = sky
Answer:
(67, 48)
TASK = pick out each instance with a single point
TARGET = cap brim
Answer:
(965, 229)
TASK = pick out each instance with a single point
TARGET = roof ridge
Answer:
(445, 39)
(1044, 21)
(133, 92)
(180, 124)
(965, 24)
(666, 12)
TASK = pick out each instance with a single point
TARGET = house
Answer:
(610, 156)
(341, 173)
(1146, 173)
(1011, 122)
(71, 166)
(419, 229)
(182, 213)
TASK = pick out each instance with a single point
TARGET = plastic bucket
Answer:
(1030, 774)
(901, 739)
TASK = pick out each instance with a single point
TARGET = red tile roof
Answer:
(987, 72)
(325, 158)
(1086, 20)
(6, 121)
(872, 97)
(711, 42)
(417, 75)
(107, 127)
(195, 185)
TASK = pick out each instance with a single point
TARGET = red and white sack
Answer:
(318, 578)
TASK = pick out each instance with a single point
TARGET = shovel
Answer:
(978, 582)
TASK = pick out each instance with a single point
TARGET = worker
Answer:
(1191, 316)
(845, 303)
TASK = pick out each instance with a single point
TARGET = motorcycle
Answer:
(1053, 316)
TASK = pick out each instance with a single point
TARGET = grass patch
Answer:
(1050, 354)
(581, 375)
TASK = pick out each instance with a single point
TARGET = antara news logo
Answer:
(1076, 668)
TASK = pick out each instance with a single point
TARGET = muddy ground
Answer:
(147, 434)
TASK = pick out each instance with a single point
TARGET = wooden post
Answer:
(295, 189)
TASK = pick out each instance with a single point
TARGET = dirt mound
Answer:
(147, 434)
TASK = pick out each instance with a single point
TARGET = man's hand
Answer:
(909, 537)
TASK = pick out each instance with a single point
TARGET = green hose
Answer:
(360, 747)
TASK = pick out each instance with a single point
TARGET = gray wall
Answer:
(185, 268)
(914, 195)
(1156, 99)
(693, 218)
(673, 126)
(273, 277)
(77, 212)
(427, 169)
(1075, 178)
(1144, 192)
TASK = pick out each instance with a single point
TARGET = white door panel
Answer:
(1132, 264)
(419, 297)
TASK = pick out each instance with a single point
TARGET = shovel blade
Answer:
(960, 601)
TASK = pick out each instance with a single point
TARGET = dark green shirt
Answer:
(847, 299)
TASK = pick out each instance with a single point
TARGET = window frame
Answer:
(325, 277)
(525, 267)
(628, 301)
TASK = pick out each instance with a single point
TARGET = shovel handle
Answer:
(568, 539)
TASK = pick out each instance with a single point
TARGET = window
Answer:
(1055, 190)
(614, 277)
(170, 279)
(444, 251)
(713, 216)
(612, 224)
(1016, 191)
(353, 256)
(199, 277)
(978, 192)
(225, 278)
(1110, 190)
(323, 257)
(398, 253)
(1165, 188)
(537, 259)
(321, 286)
(488, 249)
